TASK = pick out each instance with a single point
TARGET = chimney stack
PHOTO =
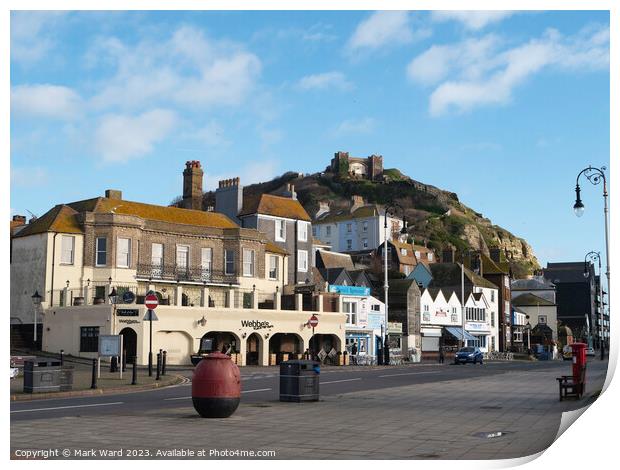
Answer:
(356, 202)
(290, 191)
(19, 220)
(192, 185)
(323, 209)
(114, 194)
(229, 198)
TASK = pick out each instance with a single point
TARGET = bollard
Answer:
(134, 373)
(94, 381)
(62, 359)
(150, 364)
(113, 364)
(124, 359)
(163, 363)
(158, 366)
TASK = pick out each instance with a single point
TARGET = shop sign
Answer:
(477, 326)
(256, 324)
(395, 328)
(127, 312)
(349, 290)
(375, 320)
(128, 322)
(441, 313)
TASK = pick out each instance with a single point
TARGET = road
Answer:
(260, 387)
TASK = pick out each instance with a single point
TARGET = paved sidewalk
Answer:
(439, 420)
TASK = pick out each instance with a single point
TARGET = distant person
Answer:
(354, 354)
(441, 356)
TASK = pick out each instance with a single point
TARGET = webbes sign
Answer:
(256, 324)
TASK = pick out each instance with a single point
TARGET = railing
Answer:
(184, 274)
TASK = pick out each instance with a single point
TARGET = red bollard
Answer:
(216, 386)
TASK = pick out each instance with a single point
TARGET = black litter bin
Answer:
(299, 381)
(42, 375)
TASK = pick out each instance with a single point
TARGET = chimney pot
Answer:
(113, 194)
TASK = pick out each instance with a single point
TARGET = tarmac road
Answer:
(262, 386)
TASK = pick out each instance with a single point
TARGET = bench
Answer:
(571, 388)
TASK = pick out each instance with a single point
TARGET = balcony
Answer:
(174, 273)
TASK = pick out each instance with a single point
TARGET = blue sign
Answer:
(375, 320)
(350, 290)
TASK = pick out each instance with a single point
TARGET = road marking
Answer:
(243, 391)
(411, 373)
(65, 407)
(338, 381)
(177, 398)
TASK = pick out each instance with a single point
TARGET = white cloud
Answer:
(472, 20)
(45, 100)
(476, 72)
(212, 134)
(120, 138)
(322, 81)
(31, 36)
(355, 126)
(28, 177)
(383, 28)
(188, 69)
(251, 173)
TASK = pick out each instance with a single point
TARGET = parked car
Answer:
(468, 354)
(590, 352)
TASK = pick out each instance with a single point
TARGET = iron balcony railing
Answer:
(184, 274)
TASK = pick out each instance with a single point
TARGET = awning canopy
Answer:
(432, 332)
(456, 332)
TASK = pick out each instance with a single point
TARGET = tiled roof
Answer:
(273, 248)
(530, 300)
(492, 267)
(408, 258)
(345, 214)
(333, 259)
(449, 275)
(278, 206)
(60, 219)
(63, 218)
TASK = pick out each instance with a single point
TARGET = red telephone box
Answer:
(579, 362)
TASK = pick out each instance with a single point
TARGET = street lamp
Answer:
(595, 176)
(113, 296)
(36, 300)
(528, 328)
(385, 358)
(596, 256)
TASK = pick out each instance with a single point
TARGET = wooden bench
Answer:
(570, 388)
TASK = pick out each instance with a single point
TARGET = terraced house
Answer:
(213, 278)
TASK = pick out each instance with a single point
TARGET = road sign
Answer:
(314, 321)
(150, 316)
(151, 301)
(128, 297)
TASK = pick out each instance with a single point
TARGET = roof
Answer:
(63, 218)
(332, 259)
(449, 275)
(278, 206)
(370, 210)
(493, 267)
(567, 272)
(537, 283)
(408, 258)
(273, 248)
(318, 242)
(331, 276)
(60, 218)
(529, 300)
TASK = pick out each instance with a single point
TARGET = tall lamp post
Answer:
(596, 256)
(113, 296)
(389, 208)
(595, 176)
(36, 301)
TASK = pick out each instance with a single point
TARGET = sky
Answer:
(503, 108)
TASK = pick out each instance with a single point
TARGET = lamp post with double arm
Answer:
(36, 301)
(596, 256)
(389, 209)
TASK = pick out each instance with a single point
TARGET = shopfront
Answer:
(481, 332)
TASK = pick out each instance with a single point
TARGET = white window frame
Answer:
(350, 308)
(349, 245)
(226, 262)
(273, 258)
(429, 256)
(249, 257)
(120, 255)
(302, 234)
(98, 250)
(206, 263)
(66, 250)
(302, 261)
(280, 230)
(349, 227)
(365, 226)
(178, 265)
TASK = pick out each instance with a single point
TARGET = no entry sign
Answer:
(151, 302)
(314, 321)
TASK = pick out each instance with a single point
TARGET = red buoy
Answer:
(216, 386)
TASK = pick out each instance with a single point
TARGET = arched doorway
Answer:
(285, 346)
(254, 349)
(325, 348)
(130, 342)
(223, 341)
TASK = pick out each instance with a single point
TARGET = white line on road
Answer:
(65, 407)
(411, 373)
(338, 381)
(243, 391)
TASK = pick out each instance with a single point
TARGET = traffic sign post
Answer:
(313, 322)
(151, 302)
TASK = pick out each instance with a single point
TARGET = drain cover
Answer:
(490, 434)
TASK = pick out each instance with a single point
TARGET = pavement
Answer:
(490, 411)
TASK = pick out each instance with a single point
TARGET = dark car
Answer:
(468, 354)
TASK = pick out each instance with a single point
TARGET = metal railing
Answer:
(184, 274)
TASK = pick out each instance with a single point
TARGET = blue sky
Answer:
(503, 108)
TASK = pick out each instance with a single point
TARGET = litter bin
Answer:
(299, 381)
(42, 375)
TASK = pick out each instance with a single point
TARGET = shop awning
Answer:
(431, 332)
(456, 332)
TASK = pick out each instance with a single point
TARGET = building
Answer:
(214, 280)
(404, 318)
(370, 168)
(403, 257)
(360, 227)
(577, 298)
(542, 316)
(537, 285)
(281, 218)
